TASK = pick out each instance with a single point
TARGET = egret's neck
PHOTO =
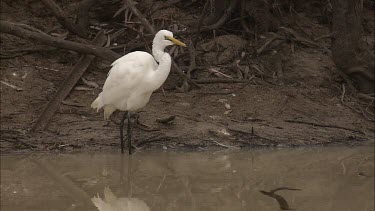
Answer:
(158, 51)
(164, 60)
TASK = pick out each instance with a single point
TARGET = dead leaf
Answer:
(218, 73)
(82, 88)
(90, 83)
(227, 112)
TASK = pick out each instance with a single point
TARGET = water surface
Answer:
(331, 178)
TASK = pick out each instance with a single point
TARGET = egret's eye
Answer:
(166, 38)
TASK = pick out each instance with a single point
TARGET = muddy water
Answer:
(333, 178)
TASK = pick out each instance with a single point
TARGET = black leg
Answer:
(122, 131)
(129, 134)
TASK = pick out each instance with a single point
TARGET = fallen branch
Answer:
(79, 28)
(29, 50)
(83, 13)
(273, 38)
(182, 74)
(366, 96)
(63, 20)
(29, 28)
(219, 23)
(7, 54)
(67, 85)
(14, 29)
(141, 18)
(283, 204)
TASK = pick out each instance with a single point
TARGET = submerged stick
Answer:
(71, 189)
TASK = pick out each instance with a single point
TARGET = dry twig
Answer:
(140, 16)
(273, 38)
(219, 23)
(12, 86)
(226, 146)
(7, 54)
(81, 27)
(14, 29)
(343, 94)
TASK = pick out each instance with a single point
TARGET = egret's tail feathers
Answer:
(108, 202)
(97, 104)
(108, 110)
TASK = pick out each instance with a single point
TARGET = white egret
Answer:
(133, 78)
(112, 203)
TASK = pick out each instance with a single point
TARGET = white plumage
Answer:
(135, 76)
(111, 203)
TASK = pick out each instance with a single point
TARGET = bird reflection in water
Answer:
(112, 203)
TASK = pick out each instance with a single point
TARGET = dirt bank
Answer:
(293, 96)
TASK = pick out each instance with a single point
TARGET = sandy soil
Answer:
(294, 98)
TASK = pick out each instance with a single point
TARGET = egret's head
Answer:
(165, 38)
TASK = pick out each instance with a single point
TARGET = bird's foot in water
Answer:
(132, 149)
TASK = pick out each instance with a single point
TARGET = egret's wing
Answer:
(136, 56)
(126, 74)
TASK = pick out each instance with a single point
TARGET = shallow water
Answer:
(331, 178)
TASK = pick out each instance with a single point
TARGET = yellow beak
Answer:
(176, 41)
